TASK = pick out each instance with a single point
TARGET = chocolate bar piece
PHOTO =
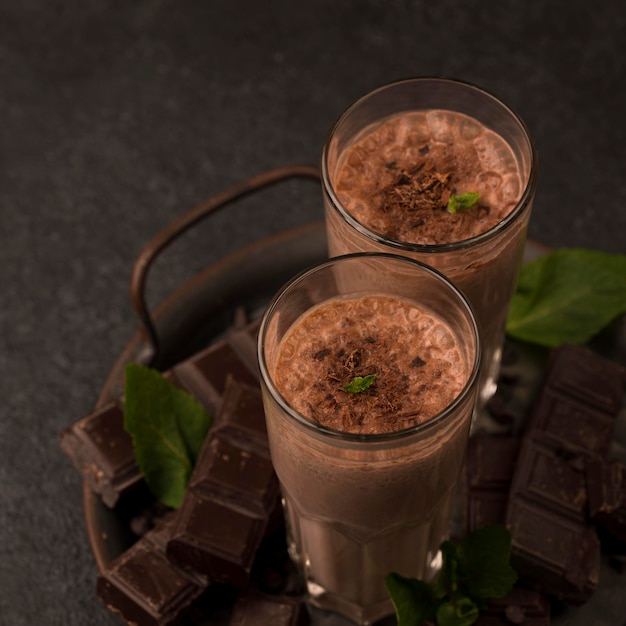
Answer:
(205, 374)
(554, 546)
(606, 483)
(581, 374)
(486, 478)
(242, 412)
(143, 587)
(557, 554)
(519, 606)
(232, 493)
(546, 477)
(570, 425)
(262, 610)
(102, 451)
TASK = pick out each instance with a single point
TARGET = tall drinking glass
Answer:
(390, 166)
(370, 493)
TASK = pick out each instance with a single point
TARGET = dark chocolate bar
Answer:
(554, 545)
(263, 610)
(232, 493)
(143, 587)
(606, 484)
(102, 451)
(486, 479)
(588, 377)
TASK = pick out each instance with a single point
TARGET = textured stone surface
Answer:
(118, 116)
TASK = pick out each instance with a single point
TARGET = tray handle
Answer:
(186, 221)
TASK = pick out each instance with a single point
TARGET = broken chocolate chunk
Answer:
(554, 553)
(143, 587)
(231, 496)
(102, 451)
(205, 374)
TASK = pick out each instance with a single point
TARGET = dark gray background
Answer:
(115, 117)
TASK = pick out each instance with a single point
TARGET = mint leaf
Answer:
(412, 600)
(463, 612)
(360, 383)
(462, 202)
(568, 295)
(168, 426)
(472, 571)
(483, 567)
(445, 584)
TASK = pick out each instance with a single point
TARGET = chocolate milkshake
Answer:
(412, 354)
(397, 168)
(367, 477)
(398, 180)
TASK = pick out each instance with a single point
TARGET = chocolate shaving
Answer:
(414, 196)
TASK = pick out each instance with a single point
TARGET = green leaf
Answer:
(462, 202)
(461, 612)
(483, 567)
(445, 583)
(412, 600)
(472, 571)
(168, 426)
(567, 296)
(360, 383)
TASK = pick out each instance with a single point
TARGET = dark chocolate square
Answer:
(560, 555)
(241, 473)
(102, 451)
(205, 374)
(570, 425)
(242, 413)
(590, 378)
(215, 538)
(548, 479)
(143, 587)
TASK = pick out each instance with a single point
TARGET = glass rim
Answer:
(405, 246)
(367, 438)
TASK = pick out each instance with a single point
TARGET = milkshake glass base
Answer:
(364, 616)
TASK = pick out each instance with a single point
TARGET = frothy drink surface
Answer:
(398, 177)
(417, 363)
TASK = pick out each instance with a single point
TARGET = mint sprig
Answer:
(360, 383)
(462, 202)
(473, 571)
(168, 426)
(568, 295)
